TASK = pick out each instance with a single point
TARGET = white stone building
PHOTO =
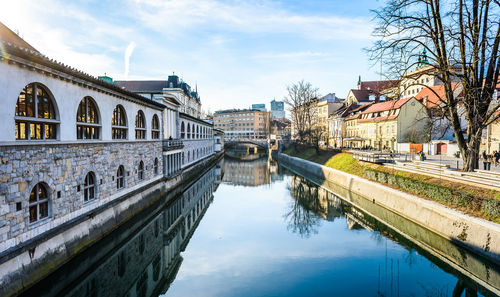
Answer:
(73, 147)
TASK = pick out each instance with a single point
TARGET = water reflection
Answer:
(141, 262)
(284, 236)
(312, 203)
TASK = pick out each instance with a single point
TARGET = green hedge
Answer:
(490, 207)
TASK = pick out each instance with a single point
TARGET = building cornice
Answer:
(39, 63)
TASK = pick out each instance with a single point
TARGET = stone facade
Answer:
(197, 137)
(62, 168)
(144, 263)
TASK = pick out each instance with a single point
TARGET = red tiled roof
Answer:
(391, 117)
(387, 105)
(435, 95)
(362, 95)
(378, 86)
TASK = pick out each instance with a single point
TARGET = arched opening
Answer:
(119, 123)
(87, 120)
(156, 166)
(39, 203)
(188, 131)
(140, 171)
(120, 177)
(89, 187)
(140, 125)
(36, 117)
(182, 130)
(155, 127)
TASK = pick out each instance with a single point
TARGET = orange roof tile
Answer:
(387, 105)
(435, 95)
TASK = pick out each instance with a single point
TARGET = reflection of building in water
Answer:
(147, 263)
(251, 173)
(276, 171)
(315, 198)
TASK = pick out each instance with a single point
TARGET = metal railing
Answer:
(170, 144)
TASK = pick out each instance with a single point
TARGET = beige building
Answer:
(321, 109)
(243, 123)
(384, 124)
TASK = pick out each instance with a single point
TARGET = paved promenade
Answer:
(454, 162)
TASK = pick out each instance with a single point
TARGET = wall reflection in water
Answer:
(312, 204)
(146, 262)
(247, 167)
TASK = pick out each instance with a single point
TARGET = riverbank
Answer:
(475, 201)
(25, 264)
(478, 235)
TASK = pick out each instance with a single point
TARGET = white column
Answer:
(173, 123)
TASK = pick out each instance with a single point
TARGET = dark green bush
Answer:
(491, 207)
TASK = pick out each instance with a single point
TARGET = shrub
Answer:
(436, 192)
(491, 207)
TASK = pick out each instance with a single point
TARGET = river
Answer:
(249, 227)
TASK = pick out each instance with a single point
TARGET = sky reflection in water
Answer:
(250, 244)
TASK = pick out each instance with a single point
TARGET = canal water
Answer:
(249, 227)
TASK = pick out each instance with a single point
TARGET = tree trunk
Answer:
(471, 155)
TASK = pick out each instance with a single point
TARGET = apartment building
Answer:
(243, 123)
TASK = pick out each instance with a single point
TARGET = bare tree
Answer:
(301, 100)
(462, 40)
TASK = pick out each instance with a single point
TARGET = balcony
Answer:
(172, 144)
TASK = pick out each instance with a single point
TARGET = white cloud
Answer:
(128, 53)
(173, 17)
(290, 55)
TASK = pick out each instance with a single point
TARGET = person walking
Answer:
(496, 155)
(490, 159)
(485, 160)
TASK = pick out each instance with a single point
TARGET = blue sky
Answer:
(237, 52)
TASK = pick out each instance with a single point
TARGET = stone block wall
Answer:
(196, 149)
(63, 168)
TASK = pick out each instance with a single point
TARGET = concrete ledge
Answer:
(475, 234)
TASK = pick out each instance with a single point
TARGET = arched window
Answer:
(182, 131)
(156, 166)
(197, 132)
(192, 132)
(155, 128)
(89, 187)
(189, 156)
(140, 126)
(119, 123)
(35, 114)
(39, 203)
(188, 132)
(87, 120)
(140, 171)
(120, 177)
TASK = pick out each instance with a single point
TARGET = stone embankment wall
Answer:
(475, 234)
(62, 168)
(30, 261)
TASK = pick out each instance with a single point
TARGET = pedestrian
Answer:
(485, 160)
(490, 159)
(496, 155)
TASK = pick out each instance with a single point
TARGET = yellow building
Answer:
(384, 124)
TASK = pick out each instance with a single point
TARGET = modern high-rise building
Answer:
(261, 107)
(277, 109)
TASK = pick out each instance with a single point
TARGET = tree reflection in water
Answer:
(312, 203)
(302, 216)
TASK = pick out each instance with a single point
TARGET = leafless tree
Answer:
(301, 100)
(462, 40)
